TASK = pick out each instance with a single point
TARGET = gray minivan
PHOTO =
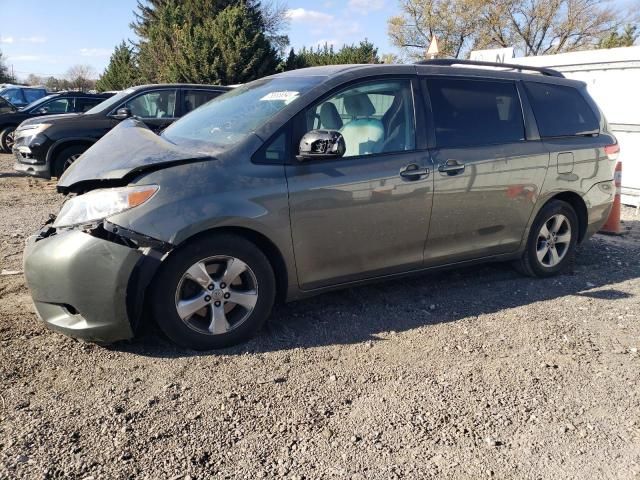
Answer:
(317, 179)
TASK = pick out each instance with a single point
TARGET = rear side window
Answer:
(194, 98)
(475, 112)
(84, 104)
(561, 111)
(32, 94)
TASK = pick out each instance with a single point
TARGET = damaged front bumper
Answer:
(88, 286)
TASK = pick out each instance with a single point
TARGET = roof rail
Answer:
(511, 66)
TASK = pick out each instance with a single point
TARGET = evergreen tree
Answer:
(243, 52)
(122, 71)
(625, 39)
(364, 52)
(178, 39)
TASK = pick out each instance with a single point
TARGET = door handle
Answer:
(452, 167)
(413, 171)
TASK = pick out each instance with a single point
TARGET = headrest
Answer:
(329, 117)
(359, 105)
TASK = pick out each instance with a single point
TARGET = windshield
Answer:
(229, 118)
(111, 102)
(38, 102)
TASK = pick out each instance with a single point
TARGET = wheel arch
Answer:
(60, 145)
(7, 125)
(579, 206)
(261, 241)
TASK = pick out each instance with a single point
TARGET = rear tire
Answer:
(66, 157)
(6, 139)
(552, 241)
(193, 305)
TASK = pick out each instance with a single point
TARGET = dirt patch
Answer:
(474, 373)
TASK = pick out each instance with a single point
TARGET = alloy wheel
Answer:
(216, 295)
(9, 140)
(70, 159)
(554, 239)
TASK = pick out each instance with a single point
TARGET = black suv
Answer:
(64, 102)
(21, 96)
(46, 147)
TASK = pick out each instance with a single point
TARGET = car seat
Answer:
(329, 117)
(395, 127)
(363, 134)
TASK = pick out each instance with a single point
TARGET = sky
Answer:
(46, 40)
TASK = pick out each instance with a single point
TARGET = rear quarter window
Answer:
(194, 98)
(560, 111)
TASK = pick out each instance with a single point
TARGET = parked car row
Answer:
(307, 181)
(21, 96)
(58, 103)
(46, 146)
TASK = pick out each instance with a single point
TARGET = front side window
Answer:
(157, 104)
(32, 94)
(475, 112)
(373, 117)
(561, 111)
(61, 105)
(195, 98)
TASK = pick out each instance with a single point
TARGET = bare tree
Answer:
(453, 22)
(533, 27)
(81, 77)
(276, 23)
(539, 27)
(34, 80)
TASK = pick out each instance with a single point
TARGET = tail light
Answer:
(612, 151)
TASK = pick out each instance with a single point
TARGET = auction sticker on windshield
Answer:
(286, 95)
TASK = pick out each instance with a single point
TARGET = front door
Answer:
(487, 177)
(360, 216)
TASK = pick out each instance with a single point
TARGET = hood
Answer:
(62, 117)
(126, 150)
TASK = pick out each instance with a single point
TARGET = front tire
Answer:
(552, 241)
(66, 157)
(6, 139)
(213, 293)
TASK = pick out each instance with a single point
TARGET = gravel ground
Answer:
(474, 373)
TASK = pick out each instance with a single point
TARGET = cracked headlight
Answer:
(97, 205)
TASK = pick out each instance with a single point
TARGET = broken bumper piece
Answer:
(87, 287)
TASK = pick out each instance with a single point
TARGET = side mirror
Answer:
(43, 110)
(122, 113)
(321, 144)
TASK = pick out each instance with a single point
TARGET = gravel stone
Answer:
(478, 353)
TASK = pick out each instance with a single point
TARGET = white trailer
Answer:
(613, 80)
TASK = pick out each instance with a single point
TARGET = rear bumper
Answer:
(599, 201)
(83, 286)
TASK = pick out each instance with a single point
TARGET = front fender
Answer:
(198, 197)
